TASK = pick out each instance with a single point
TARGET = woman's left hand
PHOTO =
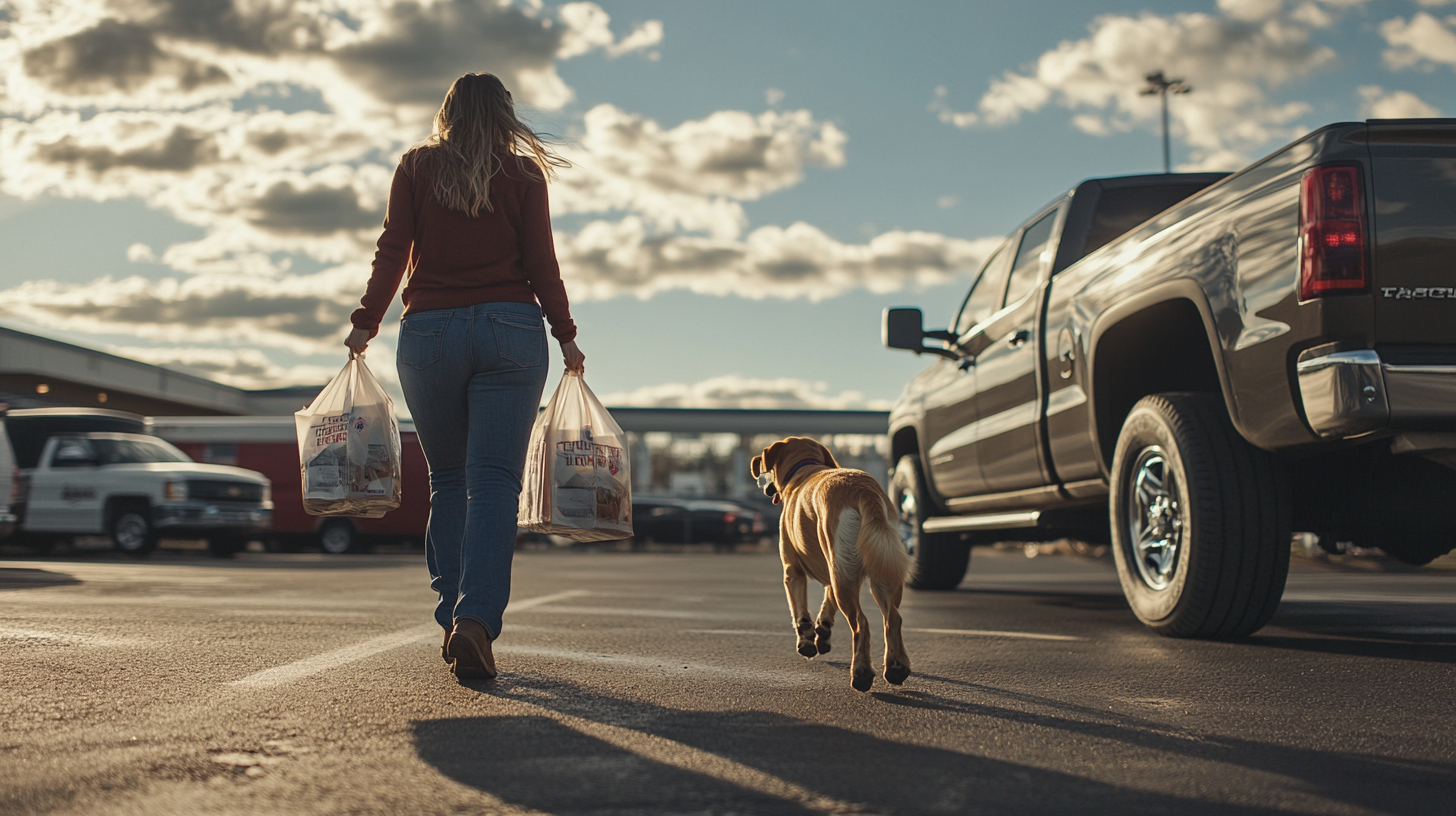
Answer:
(358, 340)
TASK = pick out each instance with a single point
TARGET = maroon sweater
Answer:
(453, 260)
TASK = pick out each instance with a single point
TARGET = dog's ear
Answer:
(756, 466)
(828, 457)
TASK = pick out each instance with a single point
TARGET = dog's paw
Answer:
(807, 649)
(896, 672)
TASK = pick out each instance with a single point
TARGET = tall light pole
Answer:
(1161, 85)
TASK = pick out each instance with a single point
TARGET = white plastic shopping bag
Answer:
(348, 447)
(577, 482)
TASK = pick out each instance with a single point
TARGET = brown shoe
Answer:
(469, 651)
(445, 647)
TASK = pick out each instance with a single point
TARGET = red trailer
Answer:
(268, 445)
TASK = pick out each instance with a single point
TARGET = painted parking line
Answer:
(787, 632)
(629, 612)
(966, 632)
(671, 666)
(994, 634)
(298, 669)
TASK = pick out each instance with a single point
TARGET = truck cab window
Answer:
(74, 453)
(138, 452)
(1121, 209)
(1029, 261)
(985, 296)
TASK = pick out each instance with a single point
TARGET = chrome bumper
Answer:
(1350, 393)
(204, 515)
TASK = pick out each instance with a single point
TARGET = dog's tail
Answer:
(867, 538)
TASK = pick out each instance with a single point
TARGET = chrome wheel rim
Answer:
(909, 532)
(131, 532)
(336, 539)
(1155, 519)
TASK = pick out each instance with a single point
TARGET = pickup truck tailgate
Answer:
(1413, 165)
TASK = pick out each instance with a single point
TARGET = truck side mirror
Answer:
(903, 328)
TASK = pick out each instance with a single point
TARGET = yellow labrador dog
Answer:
(838, 528)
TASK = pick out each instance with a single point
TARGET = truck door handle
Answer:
(1018, 338)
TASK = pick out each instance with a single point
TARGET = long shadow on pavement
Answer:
(29, 578)
(1381, 783)
(542, 764)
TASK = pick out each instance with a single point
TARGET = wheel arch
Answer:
(906, 442)
(1124, 368)
(113, 503)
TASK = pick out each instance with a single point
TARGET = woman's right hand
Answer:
(358, 340)
(575, 360)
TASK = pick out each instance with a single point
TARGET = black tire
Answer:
(337, 537)
(130, 530)
(941, 559)
(1223, 514)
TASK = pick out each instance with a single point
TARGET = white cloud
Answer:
(736, 391)
(243, 368)
(1378, 103)
(946, 202)
(305, 314)
(1422, 42)
(692, 176)
(773, 96)
(1232, 62)
(587, 30)
(606, 259)
(1251, 11)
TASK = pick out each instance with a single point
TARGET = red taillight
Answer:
(1332, 232)
(729, 518)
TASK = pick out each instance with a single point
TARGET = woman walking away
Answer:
(468, 222)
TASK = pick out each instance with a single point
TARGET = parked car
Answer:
(131, 487)
(269, 444)
(1193, 366)
(9, 482)
(669, 519)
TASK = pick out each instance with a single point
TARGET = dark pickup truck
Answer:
(1190, 367)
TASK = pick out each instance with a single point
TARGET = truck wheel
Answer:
(940, 558)
(131, 530)
(338, 537)
(1200, 520)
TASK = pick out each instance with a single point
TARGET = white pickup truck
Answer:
(136, 488)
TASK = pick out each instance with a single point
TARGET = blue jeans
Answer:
(472, 378)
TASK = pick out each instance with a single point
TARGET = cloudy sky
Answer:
(199, 183)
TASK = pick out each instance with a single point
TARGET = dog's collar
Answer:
(766, 479)
(789, 477)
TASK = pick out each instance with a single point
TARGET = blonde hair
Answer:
(475, 125)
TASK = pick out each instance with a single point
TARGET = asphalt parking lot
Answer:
(667, 682)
